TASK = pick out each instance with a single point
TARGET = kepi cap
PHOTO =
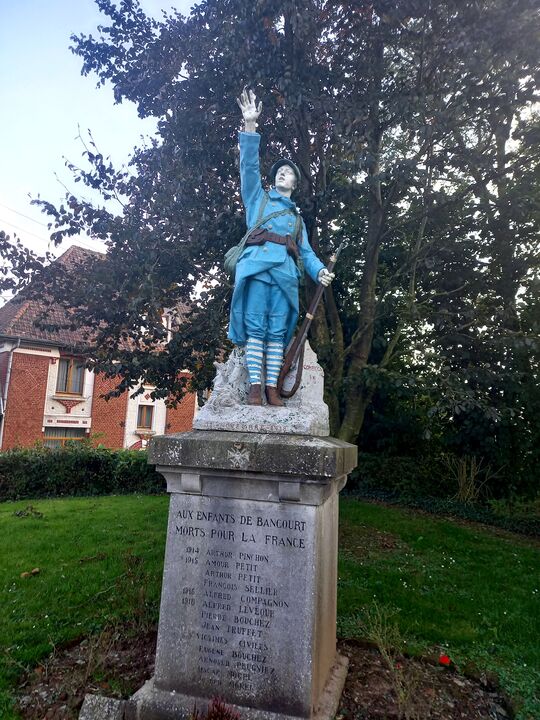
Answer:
(280, 163)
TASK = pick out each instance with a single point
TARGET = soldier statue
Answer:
(264, 306)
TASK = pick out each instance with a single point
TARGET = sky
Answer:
(44, 99)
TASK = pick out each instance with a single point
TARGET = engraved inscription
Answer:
(236, 597)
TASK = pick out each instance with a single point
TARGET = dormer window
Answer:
(70, 379)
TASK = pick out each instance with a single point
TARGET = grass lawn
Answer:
(467, 591)
(463, 589)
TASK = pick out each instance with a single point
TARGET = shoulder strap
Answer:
(233, 254)
(298, 229)
(261, 220)
(262, 207)
(266, 219)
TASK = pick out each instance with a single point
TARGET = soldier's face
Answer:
(285, 178)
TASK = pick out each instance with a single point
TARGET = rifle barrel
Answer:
(298, 343)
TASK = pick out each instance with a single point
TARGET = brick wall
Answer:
(108, 417)
(26, 400)
(180, 419)
(26, 405)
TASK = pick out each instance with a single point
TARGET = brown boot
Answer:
(254, 397)
(272, 397)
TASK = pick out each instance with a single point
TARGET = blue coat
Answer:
(269, 261)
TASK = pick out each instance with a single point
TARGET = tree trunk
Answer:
(356, 396)
(328, 341)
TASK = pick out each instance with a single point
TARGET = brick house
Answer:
(47, 395)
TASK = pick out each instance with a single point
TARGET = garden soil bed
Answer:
(117, 662)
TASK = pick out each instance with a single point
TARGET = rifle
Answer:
(296, 351)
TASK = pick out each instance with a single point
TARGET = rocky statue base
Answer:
(304, 414)
(248, 606)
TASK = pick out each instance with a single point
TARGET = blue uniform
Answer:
(264, 305)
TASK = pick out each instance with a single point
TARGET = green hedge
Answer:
(474, 512)
(76, 469)
(416, 476)
(425, 484)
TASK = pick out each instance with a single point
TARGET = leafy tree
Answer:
(494, 346)
(18, 264)
(400, 114)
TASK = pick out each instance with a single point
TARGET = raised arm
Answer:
(250, 176)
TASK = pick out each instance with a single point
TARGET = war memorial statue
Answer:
(264, 307)
(249, 595)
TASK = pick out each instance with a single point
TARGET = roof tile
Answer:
(18, 316)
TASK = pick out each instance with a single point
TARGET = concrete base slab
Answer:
(151, 703)
(97, 707)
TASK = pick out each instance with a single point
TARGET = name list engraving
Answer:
(235, 597)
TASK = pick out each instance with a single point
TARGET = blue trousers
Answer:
(266, 310)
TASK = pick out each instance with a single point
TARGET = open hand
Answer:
(325, 277)
(247, 102)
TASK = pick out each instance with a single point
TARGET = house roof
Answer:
(19, 315)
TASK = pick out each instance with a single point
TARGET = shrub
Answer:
(404, 476)
(430, 484)
(76, 469)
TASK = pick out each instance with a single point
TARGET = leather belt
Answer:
(261, 235)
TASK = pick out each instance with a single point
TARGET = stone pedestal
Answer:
(305, 413)
(248, 608)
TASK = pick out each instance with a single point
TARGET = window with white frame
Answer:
(58, 436)
(70, 380)
(145, 415)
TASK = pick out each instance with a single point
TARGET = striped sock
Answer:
(274, 360)
(254, 356)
